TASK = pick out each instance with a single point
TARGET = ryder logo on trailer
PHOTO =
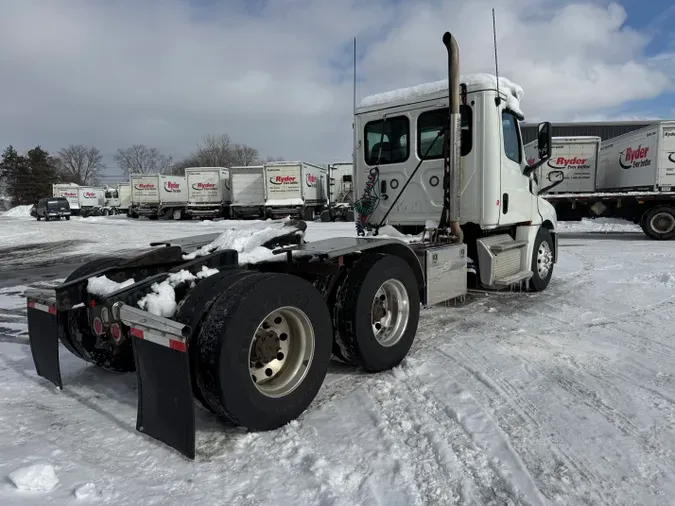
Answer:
(574, 162)
(310, 180)
(204, 186)
(283, 180)
(69, 194)
(89, 195)
(172, 187)
(530, 161)
(632, 158)
(144, 186)
(671, 156)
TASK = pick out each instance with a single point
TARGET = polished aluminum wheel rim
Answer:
(544, 259)
(390, 312)
(281, 352)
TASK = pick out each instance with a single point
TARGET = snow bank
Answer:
(247, 242)
(102, 285)
(599, 225)
(514, 92)
(35, 478)
(86, 491)
(162, 300)
(18, 212)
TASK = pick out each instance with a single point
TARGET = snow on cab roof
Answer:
(514, 92)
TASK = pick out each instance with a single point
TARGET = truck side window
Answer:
(395, 144)
(511, 137)
(430, 123)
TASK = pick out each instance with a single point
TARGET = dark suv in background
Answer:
(52, 207)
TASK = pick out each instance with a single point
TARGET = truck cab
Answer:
(399, 161)
(496, 190)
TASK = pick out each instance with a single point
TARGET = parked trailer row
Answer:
(631, 177)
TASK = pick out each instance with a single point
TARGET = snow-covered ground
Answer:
(565, 397)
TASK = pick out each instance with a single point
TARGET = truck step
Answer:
(506, 246)
(514, 278)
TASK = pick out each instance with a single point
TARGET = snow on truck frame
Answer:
(253, 343)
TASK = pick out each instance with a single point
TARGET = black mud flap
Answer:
(165, 403)
(43, 337)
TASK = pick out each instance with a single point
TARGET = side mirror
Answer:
(544, 148)
(544, 140)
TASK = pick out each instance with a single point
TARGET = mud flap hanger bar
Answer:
(165, 404)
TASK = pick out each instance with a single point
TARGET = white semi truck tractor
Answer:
(252, 342)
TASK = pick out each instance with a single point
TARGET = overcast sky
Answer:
(277, 75)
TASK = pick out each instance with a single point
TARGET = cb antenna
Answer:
(498, 100)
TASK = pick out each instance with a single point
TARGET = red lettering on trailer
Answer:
(634, 157)
(89, 195)
(204, 186)
(170, 186)
(285, 179)
(144, 186)
(311, 179)
(571, 161)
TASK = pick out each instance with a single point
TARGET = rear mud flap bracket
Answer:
(166, 409)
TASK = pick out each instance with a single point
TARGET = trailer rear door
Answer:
(144, 189)
(666, 175)
(283, 184)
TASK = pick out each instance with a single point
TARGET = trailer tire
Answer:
(77, 324)
(194, 308)
(372, 277)
(542, 261)
(659, 223)
(226, 349)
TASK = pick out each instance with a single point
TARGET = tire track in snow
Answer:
(446, 398)
(527, 423)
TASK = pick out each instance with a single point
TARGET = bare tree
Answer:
(244, 155)
(215, 151)
(80, 164)
(140, 159)
(274, 159)
(178, 168)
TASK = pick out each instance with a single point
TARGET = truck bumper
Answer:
(165, 403)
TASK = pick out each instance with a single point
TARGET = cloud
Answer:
(276, 75)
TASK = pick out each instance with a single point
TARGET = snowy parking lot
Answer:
(564, 397)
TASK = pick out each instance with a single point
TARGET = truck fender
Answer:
(529, 233)
(406, 253)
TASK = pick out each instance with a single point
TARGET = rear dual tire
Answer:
(263, 350)
(376, 312)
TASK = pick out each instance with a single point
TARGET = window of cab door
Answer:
(392, 135)
(511, 133)
(429, 123)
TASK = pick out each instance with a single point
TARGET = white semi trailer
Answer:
(158, 196)
(635, 181)
(247, 185)
(209, 195)
(295, 188)
(253, 342)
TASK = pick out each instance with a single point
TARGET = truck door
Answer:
(516, 198)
